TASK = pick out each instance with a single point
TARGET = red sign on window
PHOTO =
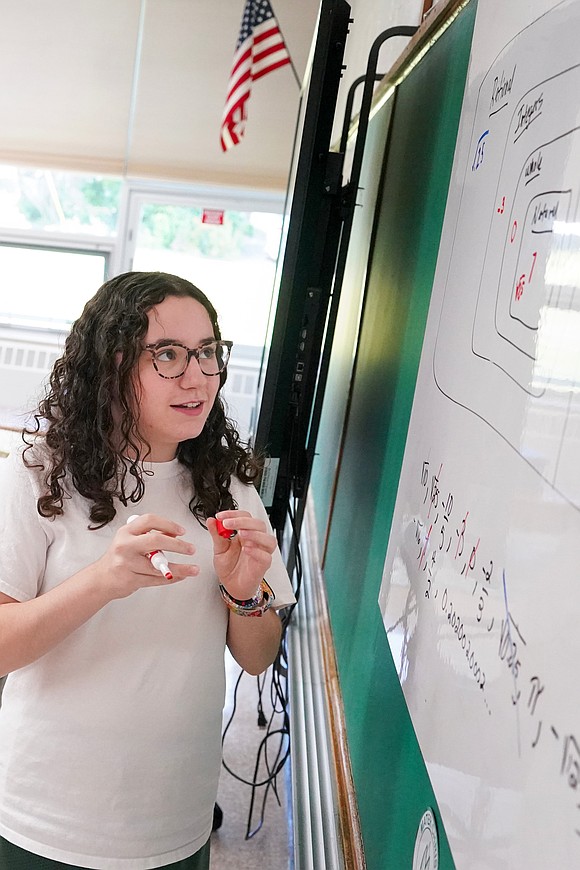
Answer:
(212, 216)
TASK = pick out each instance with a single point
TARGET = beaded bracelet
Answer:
(255, 606)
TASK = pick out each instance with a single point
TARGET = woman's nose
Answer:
(193, 373)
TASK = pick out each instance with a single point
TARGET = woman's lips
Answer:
(190, 409)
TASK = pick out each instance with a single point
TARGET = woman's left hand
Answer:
(241, 561)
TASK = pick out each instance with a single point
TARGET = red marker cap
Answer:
(221, 530)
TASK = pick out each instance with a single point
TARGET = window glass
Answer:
(46, 288)
(234, 262)
(44, 199)
(231, 256)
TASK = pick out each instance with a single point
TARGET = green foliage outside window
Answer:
(61, 200)
(181, 229)
(68, 202)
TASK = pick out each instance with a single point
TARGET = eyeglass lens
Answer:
(171, 360)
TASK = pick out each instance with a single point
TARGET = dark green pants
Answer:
(14, 858)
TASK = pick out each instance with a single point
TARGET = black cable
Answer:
(278, 674)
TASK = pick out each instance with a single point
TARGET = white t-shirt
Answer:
(110, 744)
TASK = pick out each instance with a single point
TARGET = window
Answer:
(62, 234)
(233, 263)
(59, 202)
(46, 288)
(231, 256)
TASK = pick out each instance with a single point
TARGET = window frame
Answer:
(137, 194)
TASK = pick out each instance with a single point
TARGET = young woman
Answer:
(110, 720)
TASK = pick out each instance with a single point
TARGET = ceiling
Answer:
(83, 91)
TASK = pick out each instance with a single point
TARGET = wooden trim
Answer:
(429, 31)
(349, 820)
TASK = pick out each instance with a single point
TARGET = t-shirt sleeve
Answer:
(248, 499)
(24, 534)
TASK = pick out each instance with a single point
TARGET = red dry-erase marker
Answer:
(157, 557)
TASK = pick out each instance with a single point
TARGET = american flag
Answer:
(260, 50)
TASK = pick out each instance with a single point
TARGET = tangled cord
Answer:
(277, 725)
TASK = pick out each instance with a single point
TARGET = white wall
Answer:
(371, 17)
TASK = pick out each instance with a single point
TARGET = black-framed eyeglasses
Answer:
(171, 358)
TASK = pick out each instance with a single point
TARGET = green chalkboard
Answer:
(354, 507)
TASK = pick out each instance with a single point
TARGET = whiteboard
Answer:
(480, 595)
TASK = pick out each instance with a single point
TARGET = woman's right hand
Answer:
(125, 567)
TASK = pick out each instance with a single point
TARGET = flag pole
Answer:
(296, 76)
(298, 82)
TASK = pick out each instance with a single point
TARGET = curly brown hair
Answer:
(83, 442)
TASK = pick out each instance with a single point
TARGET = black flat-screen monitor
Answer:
(290, 378)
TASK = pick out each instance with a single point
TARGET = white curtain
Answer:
(79, 89)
